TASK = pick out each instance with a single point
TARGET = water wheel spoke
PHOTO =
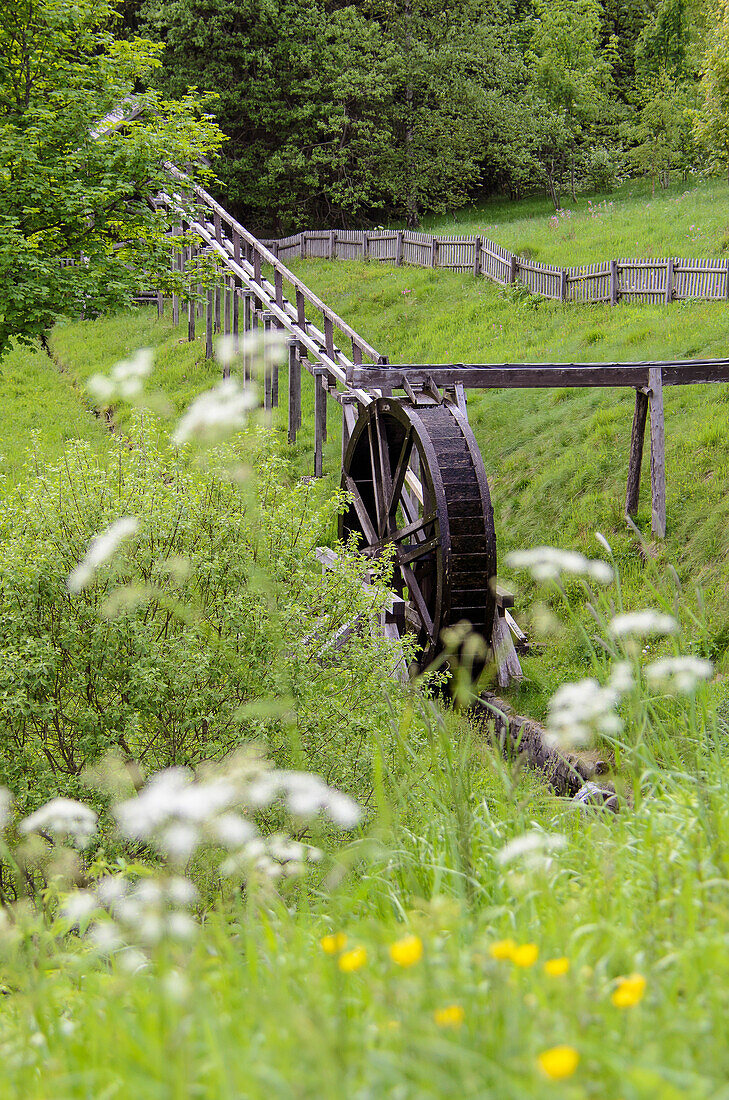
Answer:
(418, 600)
(362, 514)
(401, 469)
(384, 453)
(376, 463)
(417, 526)
(407, 554)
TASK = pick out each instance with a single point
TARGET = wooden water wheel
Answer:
(418, 482)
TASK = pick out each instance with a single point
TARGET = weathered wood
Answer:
(350, 409)
(669, 281)
(191, 319)
(658, 453)
(160, 304)
(563, 285)
(613, 282)
(398, 248)
(477, 257)
(236, 320)
(508, 668)
(218, 296)
(434, 251)
(513, 263)
(209, 326)
(636, 452)
(540, 375)
(320, 420)
(267, 321)
(247, 330)
(226, 311)
(294, 390)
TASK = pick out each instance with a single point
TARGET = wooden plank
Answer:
(658, 453)
(505, 658)
(350, 411)
(209, 326)
(636, 453)
(613, 282)
(563, 284)
(320, 420)
(669, 281)
(294, 390)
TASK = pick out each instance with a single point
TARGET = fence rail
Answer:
(612, 281)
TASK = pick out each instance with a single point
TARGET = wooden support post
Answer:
(350, 412)
(320, 419)
(328, 335)
(512, 268)
(669, 281)
(658, 452)
(507, 663)
(332, 245)
(614, 282)
(236, 319)
(236, 245)
(398, 248)
(294, 390)
(209, 327)
(267, 374)
(477, 256)
(218, 296)
(160, 304)
(176, 266)
(300, 309)
(303, 245)
(218, 227)
(726, 289)
(434, 251)
(191, 317)
(365, 245)
(247, 328)
(636, 453)
(563, 285)
(278, 283)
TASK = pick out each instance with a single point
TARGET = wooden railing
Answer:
(610, 282)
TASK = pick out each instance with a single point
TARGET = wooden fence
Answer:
(611, 282)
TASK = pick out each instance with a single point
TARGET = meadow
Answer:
(470, 934)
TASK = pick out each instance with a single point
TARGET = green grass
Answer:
(687, 220)
(39, 413)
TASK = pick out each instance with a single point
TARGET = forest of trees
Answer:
(344, 114)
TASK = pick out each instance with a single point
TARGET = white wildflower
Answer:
(679, 674)
(176, 986)
(62, 817)
(621, 677)
(547, 563)
(343, 811)
(181, 891)
(578, 711)
(603, 541)
(6, 801)
(642, 624)
(216, 413)
(181, 926)
(105, 936)
(79, 905)
(111, 888)
(101, 548)
(232, 830)
(179, 840)
(132, 960)
(126, 379)
(532, 849)
(101, 388)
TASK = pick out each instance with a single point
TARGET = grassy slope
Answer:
(39, 413)
(685, 220)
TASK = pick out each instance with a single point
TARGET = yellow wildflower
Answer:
(353, 960)
(557, 967)
(450, 1016)
(629, 991)
(333, 943)
(502, 949)
(408, 951)
(525, 955)
(559, 1062)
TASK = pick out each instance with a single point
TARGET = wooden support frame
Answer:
(294, 390)
(350, 412)
(320, 419)
(658, 452)
(637, 437)
(209, 326)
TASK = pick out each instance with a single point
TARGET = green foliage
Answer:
(72, 189)
(712, 118)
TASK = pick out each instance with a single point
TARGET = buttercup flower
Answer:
(559, 1062)
(557, 967)
(502, 949)
(353, 960)
(629, 991)
(450, 1016)
(407, 952)
(333, 943)
(525, 955)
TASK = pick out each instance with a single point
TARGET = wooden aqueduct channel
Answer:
(409, 457)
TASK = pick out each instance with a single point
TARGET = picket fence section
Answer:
(612, 281)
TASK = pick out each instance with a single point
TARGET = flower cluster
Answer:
(547, 563)
(642, 624)
(101, 549)
(126, 379)
(119, 912)
(62, 819)
(579, 711)
(680, 675)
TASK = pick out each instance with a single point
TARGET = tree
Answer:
(72, 188)
(712, 117)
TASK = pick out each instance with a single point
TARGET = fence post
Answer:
(637, 436)
(160, 304)
(512, 267)
(434, 248)
(563, 285)
(302, 244)
(726, 292)
(398, 248)
(669, 280)
(658, 452)
(613, 282)
(477, 257)
(235, 318)
(365, 245)
(332, 245)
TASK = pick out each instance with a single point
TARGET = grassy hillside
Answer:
(688, 219)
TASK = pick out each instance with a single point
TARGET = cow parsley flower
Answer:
(680, 675)
(579, 711)
(101, 549)
(63, 818)
(217, 413)
(547, 563)
(6, 801)
(532, 849)
(125, 380)
(642, 624)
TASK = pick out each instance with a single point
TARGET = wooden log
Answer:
(294, 390)
(398, 248)
(613, 282)
(209, 326)
(669, 281)
(658, 453)
(636, 452)
(320, 420)
(477, 257)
